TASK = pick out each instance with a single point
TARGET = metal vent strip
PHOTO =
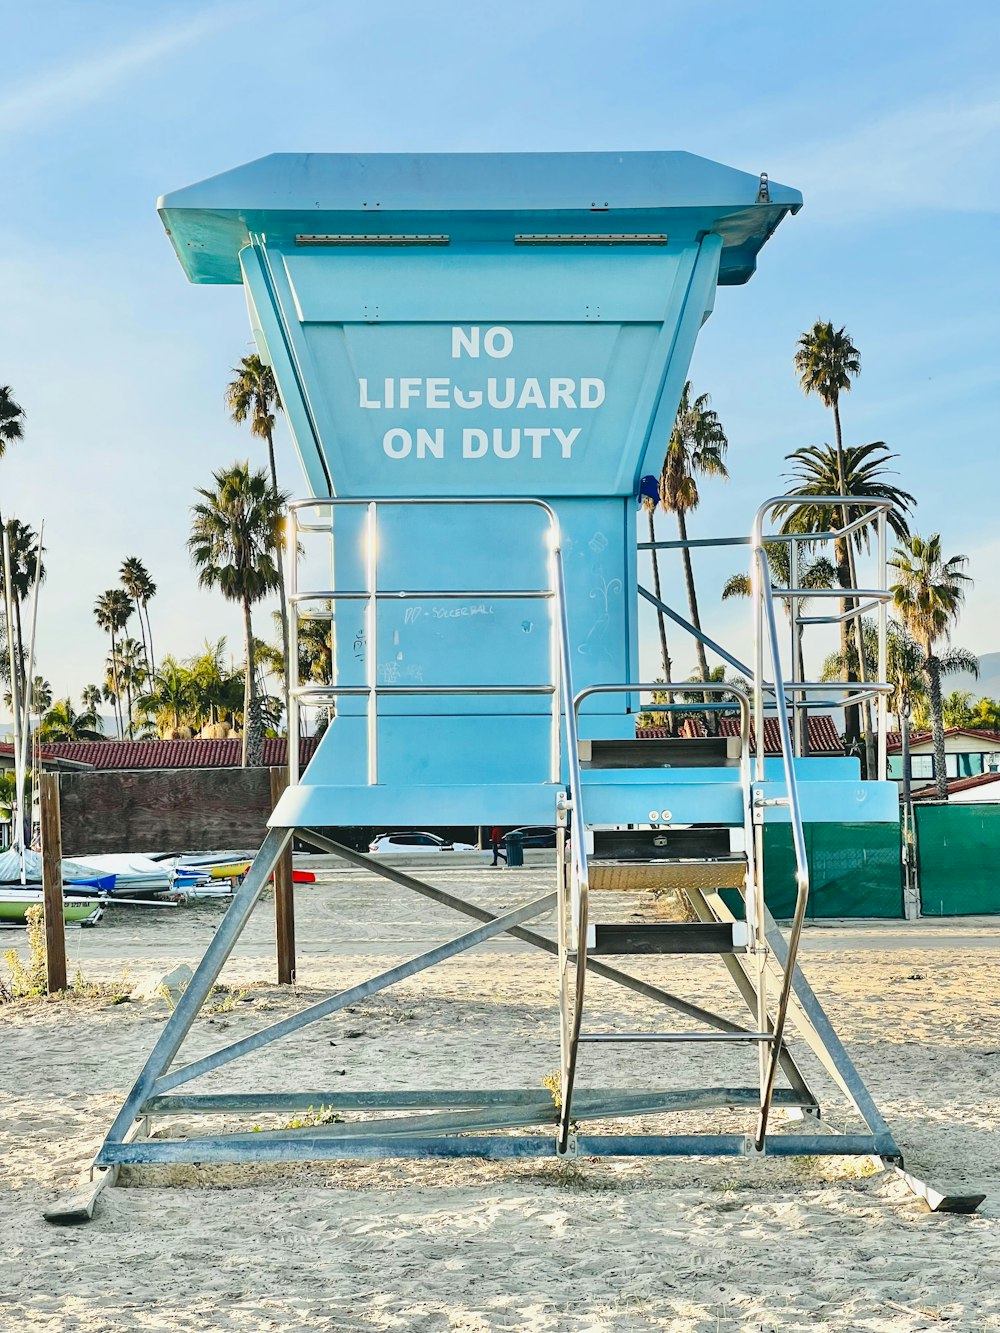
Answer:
(590, 238)
(371, 238)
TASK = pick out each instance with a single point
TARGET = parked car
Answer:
(535, 836)
(415, 842)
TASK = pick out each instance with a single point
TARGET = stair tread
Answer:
(676, 752)
(724, 872)
(623, 937)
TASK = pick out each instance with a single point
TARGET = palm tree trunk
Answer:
(852, 724)
(22, 673)
(142, 635)
(711, 719)
(253, 741)
(871, 760)
(149, 630)
(282, 598)
(118, 693)
(932, 668)
(661, 620)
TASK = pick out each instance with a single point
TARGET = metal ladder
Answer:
(607, 859)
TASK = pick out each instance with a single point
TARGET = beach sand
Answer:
(474, 1246)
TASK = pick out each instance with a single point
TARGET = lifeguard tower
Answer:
(480, 357)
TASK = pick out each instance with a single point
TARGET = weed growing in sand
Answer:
(229, 998)
(553, 1082)
(27, 979)
(116, 992)
(313, 1116)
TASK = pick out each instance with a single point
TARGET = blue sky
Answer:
(886, 116)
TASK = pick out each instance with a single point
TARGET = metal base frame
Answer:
(464, 1123)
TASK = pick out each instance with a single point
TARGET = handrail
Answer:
(371, 595)
(580, 883)
(764, 595)
(762, 576)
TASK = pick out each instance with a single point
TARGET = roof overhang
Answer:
(473, 198)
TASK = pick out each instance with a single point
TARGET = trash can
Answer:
(514, 842)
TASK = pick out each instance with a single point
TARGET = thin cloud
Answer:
(935, 155)
(63, 89)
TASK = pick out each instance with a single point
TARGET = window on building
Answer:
(895, 769)
(922, 766)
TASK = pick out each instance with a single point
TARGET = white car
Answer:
(415, 842)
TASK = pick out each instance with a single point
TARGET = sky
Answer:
(886, 117)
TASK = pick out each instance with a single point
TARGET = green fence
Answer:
(958, 858)
(855, 870)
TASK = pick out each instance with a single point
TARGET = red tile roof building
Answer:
(133, 756)
(824, 739)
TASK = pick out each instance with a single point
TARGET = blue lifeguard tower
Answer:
(480, 358)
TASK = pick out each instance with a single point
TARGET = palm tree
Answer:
(63, 723)
(860, 472)
(169, 696)
(956, 709)
(112, 611)
(904, 664)
(129, 663)
(235, 533)
(110, 696)
(986, 714)
(827, 361)
(928, 598)
(697, 448)
(91, 697)
(253, 396)
(140, 588)
(11, 419)
(24, 563)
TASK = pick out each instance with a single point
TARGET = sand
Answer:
(475, 1246)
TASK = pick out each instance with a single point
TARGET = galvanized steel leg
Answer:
(205, 977)
(362, 991)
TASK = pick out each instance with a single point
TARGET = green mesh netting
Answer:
(855, 870)
(958, 858)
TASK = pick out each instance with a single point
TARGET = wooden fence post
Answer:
(52, 886)
(284, 903)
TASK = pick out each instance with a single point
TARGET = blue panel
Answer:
(826, 802)
(415, 805)
(689, 802)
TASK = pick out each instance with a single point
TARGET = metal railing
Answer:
(299, 601)
(802, 694)
(795, 693)
(577, 941)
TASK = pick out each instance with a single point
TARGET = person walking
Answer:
(495, 839)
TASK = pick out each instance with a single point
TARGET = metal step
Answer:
(625, 1037)
(728, 872)
(669, 937)
(661, 844)
(682, 752)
